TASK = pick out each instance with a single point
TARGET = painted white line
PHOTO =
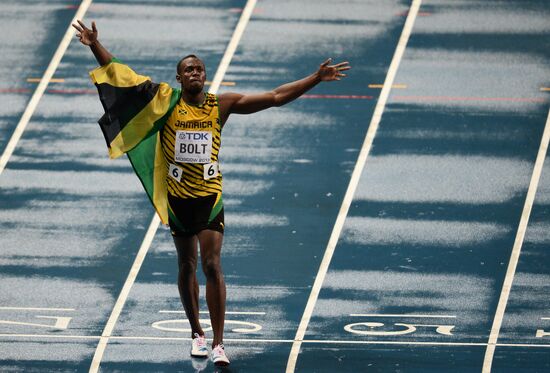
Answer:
(516, 250)
(52, 336)
(419, 343)
(342, 214)
(224, 64)
(254, 340)
(522, 345)
(545, 318)
(399, 343)
(245, 340)
(232, 46)
(36, 309)
(117, 309)
(41, 88)
(396, 315)
(226, 312)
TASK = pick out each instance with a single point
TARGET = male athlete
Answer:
(187, 126)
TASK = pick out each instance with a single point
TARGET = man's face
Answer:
(191, 75)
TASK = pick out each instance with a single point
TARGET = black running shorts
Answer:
(189, 216)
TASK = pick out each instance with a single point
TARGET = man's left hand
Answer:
(329, 73)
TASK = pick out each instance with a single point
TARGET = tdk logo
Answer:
(194, 136)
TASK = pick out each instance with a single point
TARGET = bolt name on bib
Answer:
(193, 146)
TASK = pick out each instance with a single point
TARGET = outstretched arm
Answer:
(246, 104)
(89, 37)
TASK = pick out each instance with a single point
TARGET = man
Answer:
(172, 138)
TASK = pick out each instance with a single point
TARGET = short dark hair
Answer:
(184, 58)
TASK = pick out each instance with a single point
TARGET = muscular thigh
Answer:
(210, 244)
(186, 247)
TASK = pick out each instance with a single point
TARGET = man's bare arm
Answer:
(89, 37)
(247, 104)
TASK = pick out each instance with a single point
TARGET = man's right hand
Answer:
(84, 34)
(89, 37)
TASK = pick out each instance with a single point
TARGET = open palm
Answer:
(332, 72)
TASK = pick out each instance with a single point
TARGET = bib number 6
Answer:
(175, 172)
(211, 170)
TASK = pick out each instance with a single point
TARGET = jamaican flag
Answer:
(135, 111)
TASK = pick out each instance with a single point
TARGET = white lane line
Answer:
(396, 315)
(516, 250)
(226, 312)
(146, 244)
(320, 341)
(35, 309)
(399, 343)
(342, 214)
(232, 46)
(52, 336)
(253, 340)
(117, 309)
(41, 88)
(522, 345)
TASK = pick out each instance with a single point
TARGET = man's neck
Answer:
(193, 99)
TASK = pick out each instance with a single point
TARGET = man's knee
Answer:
(212, 268)
(188, 265)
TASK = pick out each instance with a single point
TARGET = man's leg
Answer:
(210, 244)
(187, 280)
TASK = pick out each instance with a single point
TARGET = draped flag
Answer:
(135, 111)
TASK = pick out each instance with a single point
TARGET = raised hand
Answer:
(84, 34)
(89, 37)
(329, 73)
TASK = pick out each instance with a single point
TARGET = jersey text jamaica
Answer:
(191, 140)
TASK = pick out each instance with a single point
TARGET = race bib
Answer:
(193, 147)
(211, 170)
(175, 172)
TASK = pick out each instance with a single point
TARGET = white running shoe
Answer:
(218, 356)
(198, 346)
